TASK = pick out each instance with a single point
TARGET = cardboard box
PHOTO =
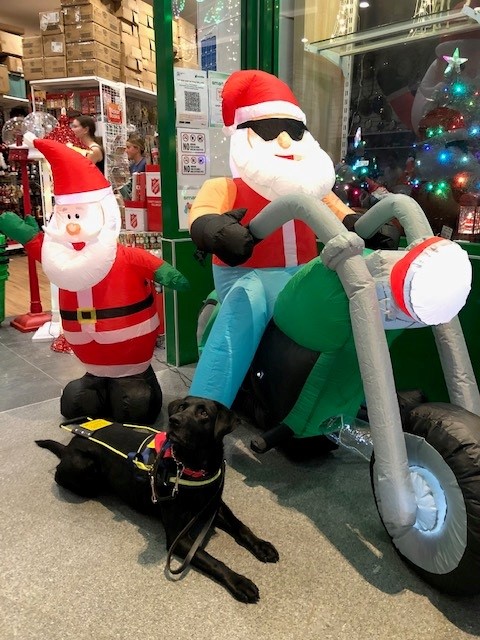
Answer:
(94, 67)
(153, 184)
(14, 64)
(4, 81)
(17, 86)
(33, 68)
(89, 50)
(154, 214)
(145, 32)
(128, 42)
(10, 44)
(133, 63)
(55, 67)
(127, 14)
(153, 189)
(135, 216)
(185, 30)
(88, 31)
(91, 13)
(53, 45)
(51, 22)
(33, 47)
(69, 3)
(139, 187)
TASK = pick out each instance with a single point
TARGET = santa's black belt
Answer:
(90, 314)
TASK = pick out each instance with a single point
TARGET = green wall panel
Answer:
(181, 309)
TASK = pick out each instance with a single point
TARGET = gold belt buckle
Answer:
(86, 315)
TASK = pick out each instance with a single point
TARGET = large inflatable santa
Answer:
(106, 291)
(272, 154)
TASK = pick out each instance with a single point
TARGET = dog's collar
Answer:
(165, 454)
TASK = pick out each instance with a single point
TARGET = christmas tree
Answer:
(446, 177)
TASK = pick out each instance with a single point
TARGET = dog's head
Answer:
(198, 424)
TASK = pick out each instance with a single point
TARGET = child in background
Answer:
(135, 149)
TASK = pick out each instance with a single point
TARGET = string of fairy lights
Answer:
(447, 155)
(447, 159)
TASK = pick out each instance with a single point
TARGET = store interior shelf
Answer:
(81, 82)
(12, 101)
(85, 82)
(137, 92)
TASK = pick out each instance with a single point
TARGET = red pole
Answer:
(35, 318)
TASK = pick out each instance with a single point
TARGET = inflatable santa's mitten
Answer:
(106, 293)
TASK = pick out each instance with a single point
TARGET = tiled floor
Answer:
(31, 371)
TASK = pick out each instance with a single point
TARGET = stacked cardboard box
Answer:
(92, 39)
(33, 66)
(11, 65)
(138, 44)
(185, 44)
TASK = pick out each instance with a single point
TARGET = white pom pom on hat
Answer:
(432, 281)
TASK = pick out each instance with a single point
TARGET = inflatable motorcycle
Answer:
(326, 351)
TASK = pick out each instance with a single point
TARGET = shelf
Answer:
(86, 82)
(397, 33)
(81, 82)
(141, 94)
(12, 101)
(385, 133)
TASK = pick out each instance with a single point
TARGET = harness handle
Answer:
(201, 535)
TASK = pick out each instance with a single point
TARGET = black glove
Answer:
(223, 235)
(387, 238)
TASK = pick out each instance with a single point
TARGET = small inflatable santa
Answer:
(106, 291)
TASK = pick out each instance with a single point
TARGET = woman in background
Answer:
(84, 128)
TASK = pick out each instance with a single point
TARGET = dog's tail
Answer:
(55, 447)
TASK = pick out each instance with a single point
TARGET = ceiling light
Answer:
(364, 4)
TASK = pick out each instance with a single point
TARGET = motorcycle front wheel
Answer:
(443, 545)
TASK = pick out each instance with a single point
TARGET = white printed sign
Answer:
(216, 80)
(186, 196)
(191, 97)
(193, 151)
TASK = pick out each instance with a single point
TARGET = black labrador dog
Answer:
(175, 475)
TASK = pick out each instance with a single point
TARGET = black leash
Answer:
(201, 535)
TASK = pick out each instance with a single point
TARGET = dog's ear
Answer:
(226, 421)
(173, 406)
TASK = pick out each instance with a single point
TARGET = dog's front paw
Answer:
(265, 551)
(243, 589)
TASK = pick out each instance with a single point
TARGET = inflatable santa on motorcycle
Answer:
(272, 154)
(106, 292)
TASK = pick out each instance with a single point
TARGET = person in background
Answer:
(84, 128)
(135, 149)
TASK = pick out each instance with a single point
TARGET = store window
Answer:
(206, 42)
(393, 92)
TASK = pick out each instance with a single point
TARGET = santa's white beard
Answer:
(78, 270)
(271, 176)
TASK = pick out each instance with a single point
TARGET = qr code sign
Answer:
(192, 101)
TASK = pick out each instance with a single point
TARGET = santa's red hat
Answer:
(252, 94)
(76, 180)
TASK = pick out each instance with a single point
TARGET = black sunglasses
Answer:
(271, 128)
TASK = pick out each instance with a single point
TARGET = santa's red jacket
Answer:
(112, 327)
